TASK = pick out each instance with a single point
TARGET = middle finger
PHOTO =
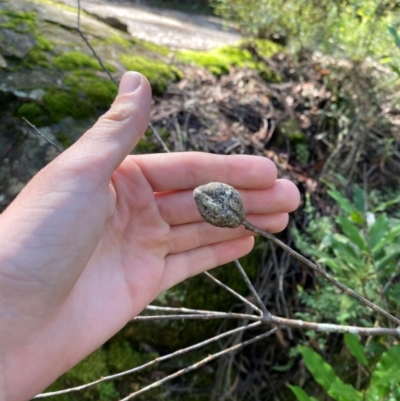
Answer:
(179, 207)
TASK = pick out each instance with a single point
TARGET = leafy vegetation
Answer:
(361, 247)
(382, 381)
(341, 27)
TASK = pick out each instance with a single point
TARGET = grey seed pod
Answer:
(220, 204)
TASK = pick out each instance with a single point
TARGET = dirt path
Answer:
(165, 27)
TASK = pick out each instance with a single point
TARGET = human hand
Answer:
(97, 235)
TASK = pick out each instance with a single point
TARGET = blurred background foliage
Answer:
(355, 28)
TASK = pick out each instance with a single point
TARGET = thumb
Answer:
(118, 131)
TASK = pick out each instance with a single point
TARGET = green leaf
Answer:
(384, 205)
(393, 32)
(352, 232)
(354, 345)
(344, 392)
(300, 394)
(321, 371)
(390, 236)
(356, 217)
(386, 375)
(396, 70)
(324, 374)
(359, 199)
(342, 201)
(378, 230)
(384, 262)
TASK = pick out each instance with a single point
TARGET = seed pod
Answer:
(220, 204)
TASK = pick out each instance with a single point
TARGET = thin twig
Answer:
(251, 287)
(320, 271)
(183, 310)
(59, 150)
(157, 135)
(199, 364)
(199, 316)
(90, 46)
(334, 328)
(156, 360)
(233, 292)
(283, 323)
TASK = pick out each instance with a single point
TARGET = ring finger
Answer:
(194, 235)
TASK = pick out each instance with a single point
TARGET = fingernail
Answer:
(129, 83)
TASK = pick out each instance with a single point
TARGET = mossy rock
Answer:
(159, 73)
(61, 103)
(34, 113)
(76, 60)
(219, 61)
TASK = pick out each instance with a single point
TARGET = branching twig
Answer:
(251, 288)
(233, 292)
(156, 360)
(199, 364)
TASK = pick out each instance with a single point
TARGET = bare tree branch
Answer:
(154, 361)
(199, 364)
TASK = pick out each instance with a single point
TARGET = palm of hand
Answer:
(96, 236)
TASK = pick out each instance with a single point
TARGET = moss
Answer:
(265, 48)
(75, 60)
(121, 355)
(36, 57)
(119, 41)
(162, 50)
(100, 92)
(91, 368)
(34, 113)
(219, 61)
(57, 4)
(25, 23)
(44, 43)
(159, 73)
(61, 103)
(22, 22)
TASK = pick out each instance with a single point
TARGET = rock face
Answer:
(49, 76)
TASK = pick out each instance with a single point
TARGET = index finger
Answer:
(186, 170)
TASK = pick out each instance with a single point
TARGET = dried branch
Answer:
(251, 287)
(200, 316)
(233, 292)
(283, 323)
(154, 361)
(199, 364)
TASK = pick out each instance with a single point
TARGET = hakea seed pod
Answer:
(220, 204)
